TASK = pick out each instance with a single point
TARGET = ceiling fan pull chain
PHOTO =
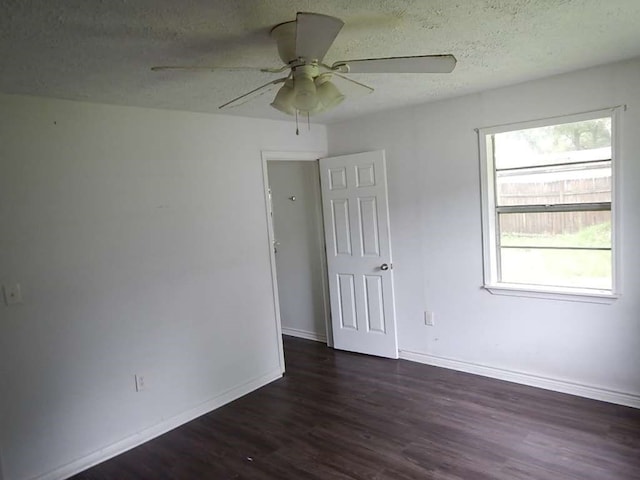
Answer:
(297, 130)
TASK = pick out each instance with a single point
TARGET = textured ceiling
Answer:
(101, 50)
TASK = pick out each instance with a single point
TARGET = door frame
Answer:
(268, 156)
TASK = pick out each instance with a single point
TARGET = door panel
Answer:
(374, 303)
(368, 213)
(347, 301)
(341, 228)
(354, 197)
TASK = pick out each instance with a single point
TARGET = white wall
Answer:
(300, 254)
(433, 174)
(137, 236)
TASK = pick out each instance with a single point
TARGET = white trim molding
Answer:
(534, 291)
(161, 428)
(268, 156)
(296, 332)
(587, 391)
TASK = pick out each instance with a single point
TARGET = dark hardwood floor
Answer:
(343, 416)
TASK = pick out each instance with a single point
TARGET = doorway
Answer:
(298, 252)
(344, 202)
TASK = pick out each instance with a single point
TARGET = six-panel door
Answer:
(356, 222)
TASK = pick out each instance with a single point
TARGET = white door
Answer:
(356, 222)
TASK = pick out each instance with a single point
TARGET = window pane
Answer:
(582, 183)
(556, 229)
(568, 142)
(561, 268)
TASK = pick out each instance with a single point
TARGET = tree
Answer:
(583, 135)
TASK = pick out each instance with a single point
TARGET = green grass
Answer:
(571, 268)
(594, 236)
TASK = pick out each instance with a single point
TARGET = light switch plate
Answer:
(12, 294)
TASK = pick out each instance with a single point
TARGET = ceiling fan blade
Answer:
(417, 64)
(315, 34)
(219, 69)
(361, 85)
(253, 93)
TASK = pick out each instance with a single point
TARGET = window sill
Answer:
(549, 293)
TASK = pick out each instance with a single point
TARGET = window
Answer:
(548, 206)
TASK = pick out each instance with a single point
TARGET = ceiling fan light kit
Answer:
(308, 90)
(306, 98)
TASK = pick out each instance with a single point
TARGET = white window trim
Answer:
(488, 205)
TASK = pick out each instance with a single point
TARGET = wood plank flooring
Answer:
(343, 416)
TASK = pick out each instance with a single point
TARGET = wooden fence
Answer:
(586, 190)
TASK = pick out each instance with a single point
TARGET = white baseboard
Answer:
(596, 393)
(295, 332)
(150, 433)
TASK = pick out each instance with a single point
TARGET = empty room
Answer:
(270, 240)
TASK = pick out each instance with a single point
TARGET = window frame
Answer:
(489, 214)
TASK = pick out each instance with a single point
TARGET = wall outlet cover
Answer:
(429, 319)
(140, 383)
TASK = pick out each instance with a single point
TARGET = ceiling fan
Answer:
(307, 89)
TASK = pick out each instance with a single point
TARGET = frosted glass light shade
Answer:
(329, 95)
(306, 97)
(285, 98)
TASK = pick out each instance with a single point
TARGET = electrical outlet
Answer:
(429, 319)
(139, 383)
(12, 294)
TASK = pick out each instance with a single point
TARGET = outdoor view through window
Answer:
(552, 206)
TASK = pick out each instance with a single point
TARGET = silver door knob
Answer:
(384, 266)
